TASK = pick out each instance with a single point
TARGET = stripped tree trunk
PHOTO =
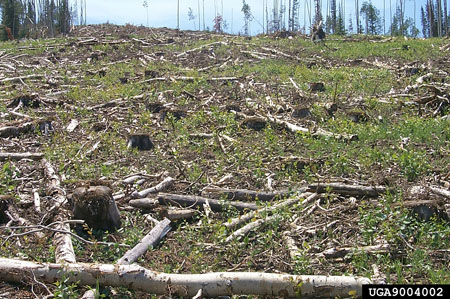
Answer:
(64, 252)
(150, 240)
(212, 284)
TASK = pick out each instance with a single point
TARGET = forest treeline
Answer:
(368, 18)
(38, 18)
(47, 18)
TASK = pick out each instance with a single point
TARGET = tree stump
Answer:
(140, 141)
(301, 112)
(5, 202)
(427, 210)
(97, 207)
(29, 100)
(317, 87)
(255, 123)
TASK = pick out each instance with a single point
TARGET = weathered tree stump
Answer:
(99, 126)
(176, 113)
(424, 204)
(255, 123)
(97, 207)
(45, 127)
(151, 74)
(5, 202)
(317, 86)
(140, 141)
(357, 116)
(426, 210)
(232, 107)
(301, 112)
(154, 107)
(31, 101)
(299, 164)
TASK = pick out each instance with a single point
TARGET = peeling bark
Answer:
(243, 194)
(150, 240)
(197, 201)
(64, 252)
(288, 202)
(164, 185)
(212, 284)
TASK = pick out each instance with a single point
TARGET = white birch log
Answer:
(32, 76)
(19, 156)
(250, 226)
(72, 125)
(243, 194)
(198, 201)
(320, 132)
(151, 239)
(178, 214)
(440, 191)
(294, 251)
(289, 202)
(132, 179)
(37, 201)
(144, 203)
(164, 185)
(64, 252)
(343, 251)
(212, 284)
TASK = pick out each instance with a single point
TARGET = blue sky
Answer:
(163, 13)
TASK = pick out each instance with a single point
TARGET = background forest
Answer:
(47, 18)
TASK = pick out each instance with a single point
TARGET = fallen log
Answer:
(289, 202)
(197, 201)
(243, 194)
(164, 185)
(150, 240)
(19, 156)
(14, 131)
(319, 132)
(344, 189)
(300, 91)
(21, 78)
(178, 214)
(440, 191)
(250, 226)
(201, 47)
(294, 251)
(212, 284)
(64, 252)
(343, 251)
(144, 203)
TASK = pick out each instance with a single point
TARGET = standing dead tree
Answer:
(317, 33)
